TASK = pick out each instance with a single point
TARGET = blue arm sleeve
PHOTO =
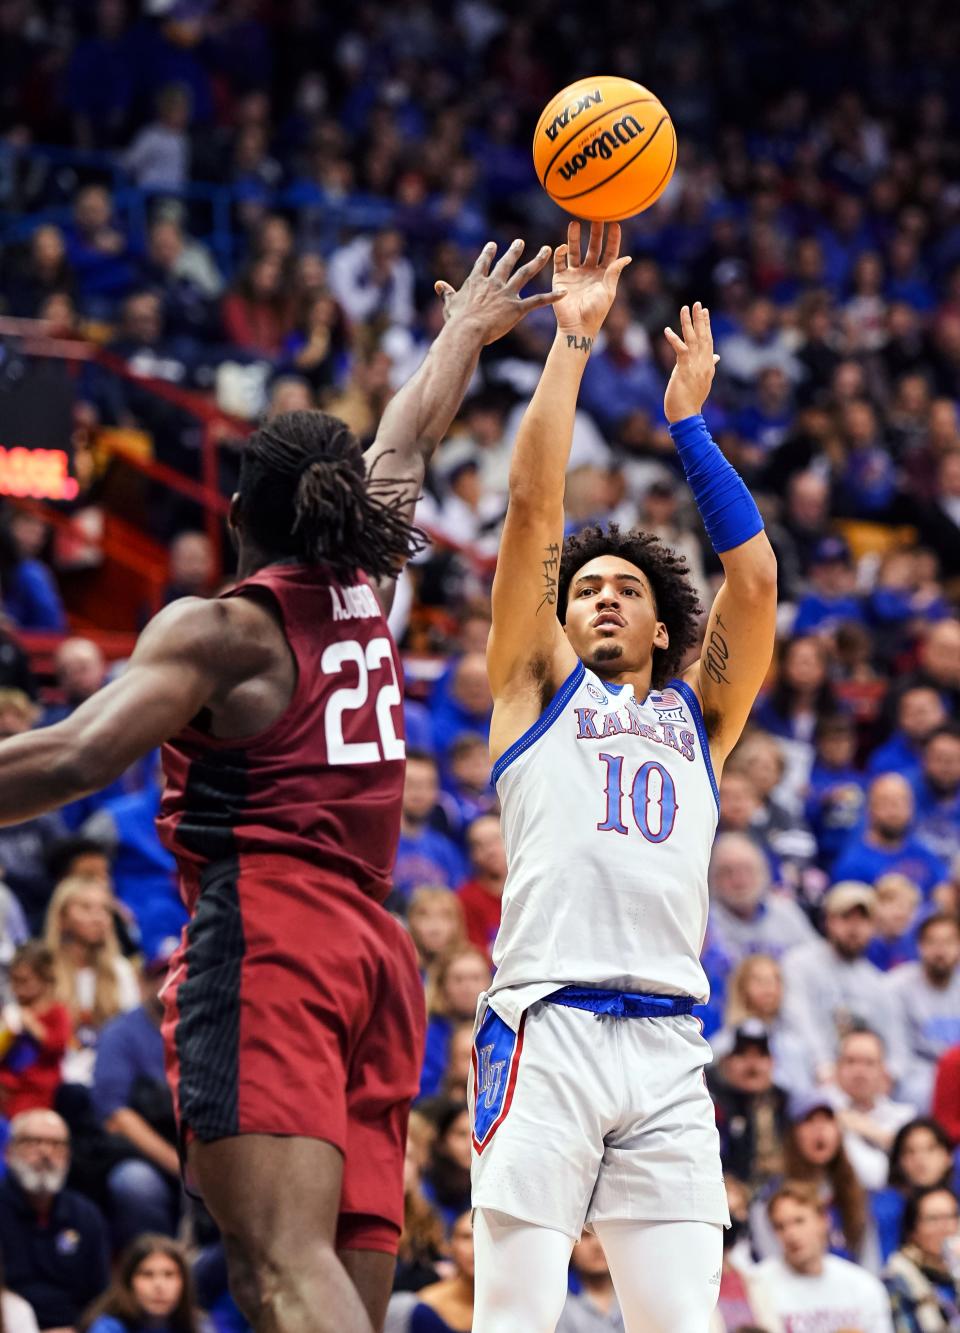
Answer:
(727, 508)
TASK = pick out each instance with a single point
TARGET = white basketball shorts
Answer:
(580, 1119)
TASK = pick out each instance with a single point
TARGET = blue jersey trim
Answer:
(614, 689)
(693, 703)
(543, 723)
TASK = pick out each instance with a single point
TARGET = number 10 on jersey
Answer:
(652, 797)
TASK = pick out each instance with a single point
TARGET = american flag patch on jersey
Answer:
(667, 705)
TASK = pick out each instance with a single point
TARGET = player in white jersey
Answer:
(588, 1098)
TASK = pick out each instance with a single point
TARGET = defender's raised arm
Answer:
(486, 307)
(740, 631)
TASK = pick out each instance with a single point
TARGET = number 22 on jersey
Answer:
(652, 799)
(374, 657)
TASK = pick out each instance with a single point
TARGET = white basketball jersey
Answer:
(609, 809)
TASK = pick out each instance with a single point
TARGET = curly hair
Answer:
(675, 600)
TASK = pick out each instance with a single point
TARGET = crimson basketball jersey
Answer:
(324, 783)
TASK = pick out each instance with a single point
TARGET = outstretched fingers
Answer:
(676, 342)
(612, 248)
(485, 258)
(541, 299)
(705, 331)
(612, 272)
(504, 265)
(595, 244)
(561, 257)
(686, 327)
(573, 245)
(530, 270)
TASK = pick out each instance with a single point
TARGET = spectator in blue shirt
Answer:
(920, 712)
(622, 377)
(937, 793)
(461, 702)
(31, 597)
(765, 423)
(424, 855)
(832, 597)
(99, 253)
(131, 1099)
(888, 841)
(836, 790)
(152, 1292)
(144, 872)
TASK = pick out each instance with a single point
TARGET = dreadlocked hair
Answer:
(304, 492)
(676, 602)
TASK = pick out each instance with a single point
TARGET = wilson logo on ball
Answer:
(571, 112)
(603, 146)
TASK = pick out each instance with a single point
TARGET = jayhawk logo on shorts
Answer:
(496, 1057)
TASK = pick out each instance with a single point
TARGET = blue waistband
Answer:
(622, 1004)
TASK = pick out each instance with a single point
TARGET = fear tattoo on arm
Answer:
(716, 654)
(551, 570)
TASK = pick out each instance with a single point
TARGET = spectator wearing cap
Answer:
(926, 1000)
(53, 1240)
(919, 1277)
(132, 1101)
(920, 712)
(750, 1109)
(888, 843)
(937, 793)
(814, 1152)
(831, 987)
(481, 894)
(832, 597)
(836, 789)
(812, 1288)
(746, 915)
(868, 1116)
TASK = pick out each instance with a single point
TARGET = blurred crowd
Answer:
(357, 155)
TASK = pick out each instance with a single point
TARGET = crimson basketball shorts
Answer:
(294, 1006)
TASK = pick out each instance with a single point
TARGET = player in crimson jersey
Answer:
(294, 1011)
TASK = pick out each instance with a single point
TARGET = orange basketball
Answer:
(604, 149)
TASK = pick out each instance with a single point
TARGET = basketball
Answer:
(604, 149)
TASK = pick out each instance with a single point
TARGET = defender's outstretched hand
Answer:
(590, 286)
(491, 299)
(689, 385)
